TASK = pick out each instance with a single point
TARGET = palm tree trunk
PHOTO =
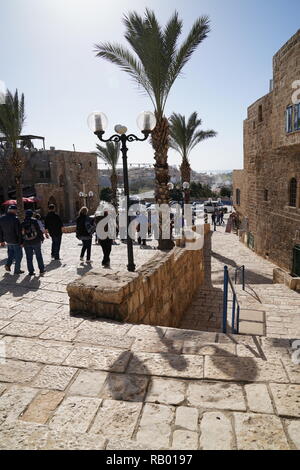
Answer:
(185, 170)
(160, 138)
(114, 186)
(18, 167)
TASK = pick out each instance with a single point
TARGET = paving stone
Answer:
(169, 365)
(252, 328)
(97, 337)
(258, 398)
(42, 407)
(54, 377)
(244, 369)
(259, 432)
(187, 418)
(157, 346)
(215, 395)
(98, 358)
(275, 348)
(147, 332)
(185, 440)
(209, 349)
(196, 337)
(38, 350)
(7, 313)
(293, 370)
(75, 414)
(245, 350)
(59, 334)
(40, 316)
(253, 315)
(168, 391)
(3, 324)
(293, 430)
(23, 329)
(216, 432)
(155, 426)
(125, 387)
(106, 327)
(2, 388)
(88, 383)
(116, 419)
(18, 371)
(287, 399)
(14, 401)
(121, 444)
(29, 436)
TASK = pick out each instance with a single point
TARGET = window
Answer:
(293, 193)
(238, 197)
(289, 119)
(293, 118)
(260, 113)
(297, 117)
(266, 195)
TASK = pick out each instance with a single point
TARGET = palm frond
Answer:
(109, 154)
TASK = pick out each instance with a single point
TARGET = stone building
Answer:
(267, 190)
(58, 176)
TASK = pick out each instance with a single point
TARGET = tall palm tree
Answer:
(12, 118)
(154, 64)
(110, 155)
(184, 136)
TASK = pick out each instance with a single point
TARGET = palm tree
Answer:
(184, 136)
(154, 65)
(110, 155)
(12, 118)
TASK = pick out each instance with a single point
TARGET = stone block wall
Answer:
(158, 293)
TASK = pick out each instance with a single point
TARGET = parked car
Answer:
(211, 206)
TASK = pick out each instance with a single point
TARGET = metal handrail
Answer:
(235, 314)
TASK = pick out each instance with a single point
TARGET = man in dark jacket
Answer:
(53, 226)
(32, 240)
(10, 232)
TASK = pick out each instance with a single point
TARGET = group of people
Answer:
(217, 218)
(29, 235)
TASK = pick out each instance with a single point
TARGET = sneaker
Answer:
(89, 261)
(7, 268)
(19, 272)
(31, 274)
(42, 272)
(81, 259)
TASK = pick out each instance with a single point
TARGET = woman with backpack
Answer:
(85, 228)
(32, 238)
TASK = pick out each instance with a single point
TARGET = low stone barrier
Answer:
(158, 293)
(283, 277)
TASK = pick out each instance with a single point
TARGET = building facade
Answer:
(267, 191)
(58, 177)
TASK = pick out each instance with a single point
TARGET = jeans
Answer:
(86, 247)
(30, 250)
(14, 252)
(106, 248)
(56, 242)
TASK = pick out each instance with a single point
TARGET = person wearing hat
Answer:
(11, 234)
(32, 240)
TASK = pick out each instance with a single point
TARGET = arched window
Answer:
(238, 197)
(293, 193)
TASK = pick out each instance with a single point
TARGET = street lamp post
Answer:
(146, 121)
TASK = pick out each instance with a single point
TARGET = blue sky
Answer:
(47, 52)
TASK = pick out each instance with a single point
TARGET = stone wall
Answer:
(158, 293)
(271, 159)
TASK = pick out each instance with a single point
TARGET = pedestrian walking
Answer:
(214, 220)
(106, 236)
(85, 228)
(222, 217)
(32, 240)
(53, 226)
(38, 217)
(142, 228)
(10, 233)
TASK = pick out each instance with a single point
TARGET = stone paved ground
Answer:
(273, 309)
(78, 383)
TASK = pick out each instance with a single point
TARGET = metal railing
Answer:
(235, 312)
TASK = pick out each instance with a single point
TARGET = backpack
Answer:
(89, 226)
(29, 231)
